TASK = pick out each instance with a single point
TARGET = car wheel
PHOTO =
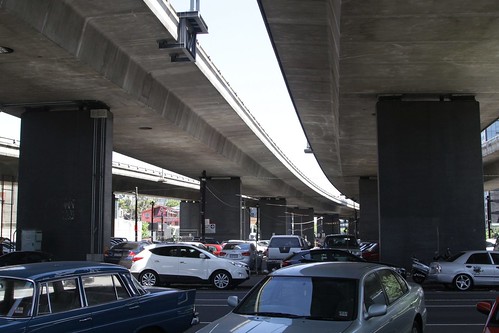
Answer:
(221, 280)
(416, 328)
(149, 278)
(463, 282)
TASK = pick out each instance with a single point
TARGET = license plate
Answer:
(233, 256)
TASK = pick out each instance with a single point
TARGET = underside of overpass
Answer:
(342, 59)
(178, 115)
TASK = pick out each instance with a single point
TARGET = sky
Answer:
(238, 44)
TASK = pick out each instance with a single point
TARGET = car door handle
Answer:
(181, 262)
(85, 319)
(133, 307)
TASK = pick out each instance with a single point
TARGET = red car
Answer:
(214, 248)
(371, 252)
(491, 310)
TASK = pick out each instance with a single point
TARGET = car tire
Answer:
(416, 327)
(463, 282)
(149, 278)
(221, 280)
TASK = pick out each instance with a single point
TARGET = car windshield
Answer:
(16, 297)
(343, 241)
(313, 298)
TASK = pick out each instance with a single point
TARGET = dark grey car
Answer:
(123, 253)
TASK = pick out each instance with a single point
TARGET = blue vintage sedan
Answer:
(84, 296)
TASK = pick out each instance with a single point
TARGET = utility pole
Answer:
(152, 220)
(136, 213)
(203, 204)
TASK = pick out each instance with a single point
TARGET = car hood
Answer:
(235, 323)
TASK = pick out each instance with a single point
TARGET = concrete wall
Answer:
(368, 226)
(65, 172)
(430, 178)
(224, 207)
(273, 217)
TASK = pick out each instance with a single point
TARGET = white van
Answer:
(281, 246)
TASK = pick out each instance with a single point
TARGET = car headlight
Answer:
(239, 264)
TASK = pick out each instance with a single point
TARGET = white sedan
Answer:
(467, 269)
(341, 297)
(186, 264)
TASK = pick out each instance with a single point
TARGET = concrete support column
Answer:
(189, 219)
(272, 217)
(430, 178)
(224, 208)
(331, 224)
(65, 181)
(368, 226)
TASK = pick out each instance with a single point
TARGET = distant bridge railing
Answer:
(10, 147)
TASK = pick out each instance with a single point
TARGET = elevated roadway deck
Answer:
(181, 116)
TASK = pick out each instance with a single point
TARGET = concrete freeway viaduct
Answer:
(392, 96)
(89, 77)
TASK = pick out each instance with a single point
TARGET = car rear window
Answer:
(237, 246)
(285, 242)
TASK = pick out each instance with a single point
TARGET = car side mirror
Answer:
(202, 256)
(376, 310)
(484, 307)
(233, 301)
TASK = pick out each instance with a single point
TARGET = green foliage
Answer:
(146, 232)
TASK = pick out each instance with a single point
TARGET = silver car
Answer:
(240, 251)
(328, 297)
(466, 269)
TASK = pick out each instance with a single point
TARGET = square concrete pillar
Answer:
(430, 178)
(65, 181)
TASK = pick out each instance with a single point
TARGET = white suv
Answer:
(281, 246)
(183, 263)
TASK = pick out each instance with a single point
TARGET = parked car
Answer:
(24, 257)
(123, 253)
(183, 263)
(243, 252)
(327, 297)
(490, 308)
(117, 240)
(7, 246)
(281, 246)
(371, 252)
(214, 248)
(84, 296)
(343, 242)
(466, 269)
(262, 245)
(490, 244)
(318, 255)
